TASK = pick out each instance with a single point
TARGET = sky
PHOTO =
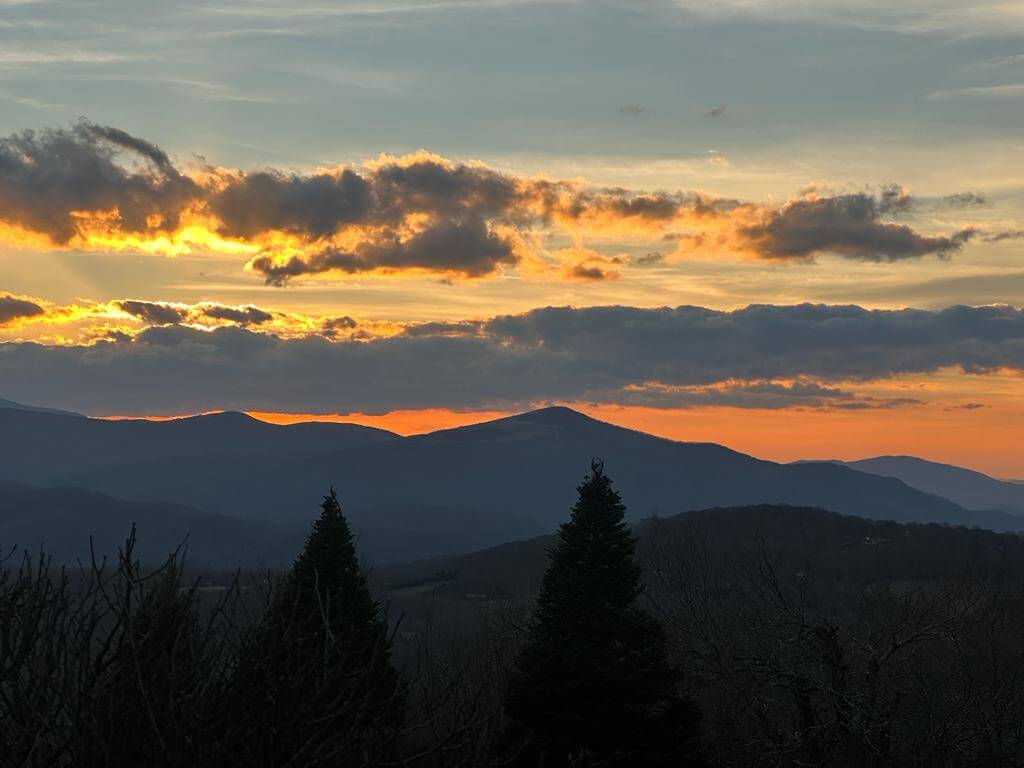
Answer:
(791, 227)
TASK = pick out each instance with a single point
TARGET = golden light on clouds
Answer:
(417, 214)
(444, 291)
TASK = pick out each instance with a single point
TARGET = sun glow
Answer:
(985, 439)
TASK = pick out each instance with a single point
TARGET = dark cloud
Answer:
(248, 315)
(468, 248)
(309, 206)
(667, 357)
(654, 207)
(48, 178)
(162, 313)
(998, 237)
(965, 200)
(590, 272)
(12, 308)
(64, 183)
(694, 345)
(462, 202)
(124, 140)
(428, 185)
(153, 312)
(415, 213)
(850, 226)
(617, 203)
(461, 199)
(632, 109)
(113, 335)
(335, 326)
(894, 200)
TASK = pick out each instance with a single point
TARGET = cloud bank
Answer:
(759, 356)
(98, 187)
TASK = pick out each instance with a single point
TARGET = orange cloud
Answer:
(89, 322)
(96, 187)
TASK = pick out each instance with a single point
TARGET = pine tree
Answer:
(316, 686)
(593, 685)
(327, 581)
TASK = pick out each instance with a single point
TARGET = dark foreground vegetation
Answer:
(766, 636)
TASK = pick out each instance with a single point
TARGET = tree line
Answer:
(684, 650)
(116, 666)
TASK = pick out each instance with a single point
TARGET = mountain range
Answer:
(409, 497)
(966, 487)
(70, 524)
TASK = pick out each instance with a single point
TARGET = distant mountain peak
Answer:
(556, 414)
(223, 417)
(889, 461)
(967, 487)
(523, 426)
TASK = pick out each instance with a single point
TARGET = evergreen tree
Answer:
(593, 686)
(328, 583)
(316, 685)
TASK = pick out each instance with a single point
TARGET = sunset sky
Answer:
(781, 225)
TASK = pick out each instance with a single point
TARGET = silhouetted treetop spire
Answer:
(319, 679)
(329, 565)
(593, 682)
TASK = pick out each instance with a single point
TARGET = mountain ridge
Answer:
(13, 406)
(68, 524)
(33, 441)
(967, 487)
(508, 478)
(443, 491)
(801, 534)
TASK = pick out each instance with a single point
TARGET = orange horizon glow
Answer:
(402, 422)
(986, 440)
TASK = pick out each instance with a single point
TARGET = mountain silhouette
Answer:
(68, 524)
(36, 445)
(968, 488)
(13, 406)
(445, 491)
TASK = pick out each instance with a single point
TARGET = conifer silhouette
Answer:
(593, 685)
(327, 580)
(317, 683)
